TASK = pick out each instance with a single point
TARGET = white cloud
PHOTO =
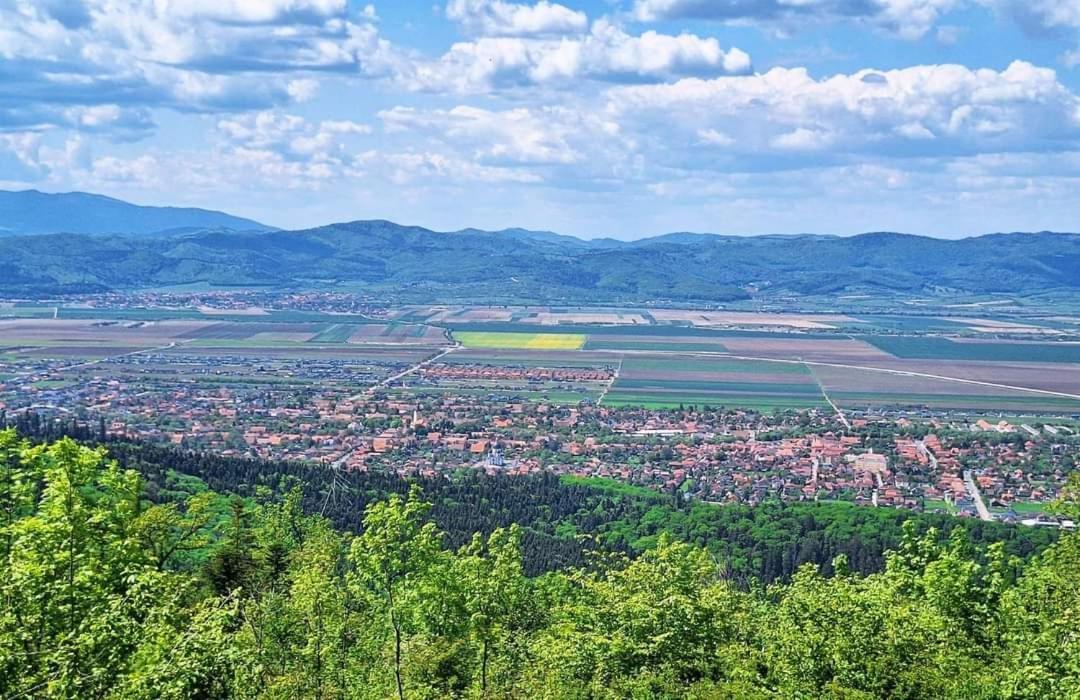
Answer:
(499, 18)
(606, 53)
(715, 138)
(412, 167)
(1049, 15)
(1047, 18)
(897, 113)
(292, 138)
(255, 11)
(121, 56)
(521, 136)
(780, 121)
(802, 139)
(907, 18)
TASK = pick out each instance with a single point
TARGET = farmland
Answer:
(672, 380)
(939, 348)
(526, 341)
(796, 362)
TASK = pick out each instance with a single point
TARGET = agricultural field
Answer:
(525, 341)
(662, 365)
(658, 343)
(939, 348)
(335, 333)
(661, 380)
(397, 333)
(903, 386)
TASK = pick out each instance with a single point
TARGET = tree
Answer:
(396, 550)
(491, 576)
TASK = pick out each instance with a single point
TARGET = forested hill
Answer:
(413, 262)
(109, 595)
(33, 212)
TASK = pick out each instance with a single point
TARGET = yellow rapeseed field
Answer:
(523, 341)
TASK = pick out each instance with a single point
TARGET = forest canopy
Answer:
(107, 593)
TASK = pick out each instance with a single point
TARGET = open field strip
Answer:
(759, 403)
(337, 333)
(997, 403)
(938, 348)
(526, 341)
(898, 372)
(660, 380)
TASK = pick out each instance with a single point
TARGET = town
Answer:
(310, 410)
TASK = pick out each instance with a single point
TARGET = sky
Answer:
(619, 118)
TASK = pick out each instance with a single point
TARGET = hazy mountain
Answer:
(414, 262)
(33, 212)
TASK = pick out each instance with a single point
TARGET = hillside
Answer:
(420, 264)
(31, 212)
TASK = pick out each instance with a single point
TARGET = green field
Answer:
(938, 348)
(932, 504)
(525, 341)
(967, 401)
(706, 387)
(662, 382)
(1026, 508)
(337, 333)
(746, 401)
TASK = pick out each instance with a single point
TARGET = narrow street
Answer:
(973, 491)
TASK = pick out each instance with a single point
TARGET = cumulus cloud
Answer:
(1044, 15)
(499, 18)
(773, 117)
(1047, 19)
(273, 136)
(907, 18)
(269, 149)
(661, 136)
(521, 136)
(119, 57)
(605, 53)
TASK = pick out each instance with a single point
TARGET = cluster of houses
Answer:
(722, 456)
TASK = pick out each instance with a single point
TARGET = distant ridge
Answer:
(29, 212)
(394, 261)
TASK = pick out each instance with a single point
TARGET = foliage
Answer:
(102, 598)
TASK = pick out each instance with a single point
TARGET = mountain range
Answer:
(153, 250)
(30, 212)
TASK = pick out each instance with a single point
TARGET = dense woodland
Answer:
(107, 594)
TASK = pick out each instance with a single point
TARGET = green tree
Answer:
(395, 552)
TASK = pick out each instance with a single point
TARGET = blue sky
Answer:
(603, 118)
